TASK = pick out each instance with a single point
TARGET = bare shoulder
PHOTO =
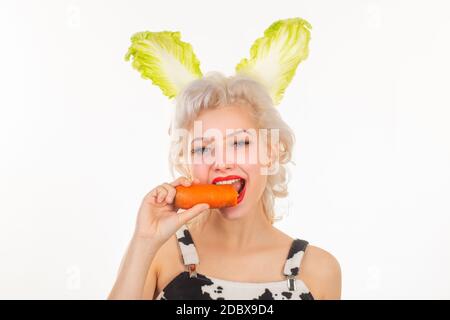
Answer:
(322, 273)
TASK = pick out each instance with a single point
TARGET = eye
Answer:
(241, 143)
(199, 150)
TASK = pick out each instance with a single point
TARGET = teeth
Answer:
(227, 181)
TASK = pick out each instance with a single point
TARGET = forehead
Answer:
(224, 119)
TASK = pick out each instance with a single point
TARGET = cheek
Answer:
(258, 181)
(200, 172)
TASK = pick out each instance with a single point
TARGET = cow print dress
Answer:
(190, 285)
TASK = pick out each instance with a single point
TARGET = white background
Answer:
(83, 138)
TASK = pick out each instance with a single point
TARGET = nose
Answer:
(221, 163)
(223, 157)
(221, 166)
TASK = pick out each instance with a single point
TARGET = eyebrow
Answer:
(228, 135)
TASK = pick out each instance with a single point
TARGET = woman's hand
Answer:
(158, 219)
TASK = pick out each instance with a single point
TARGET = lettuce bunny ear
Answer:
(163, 58)
(275, 56)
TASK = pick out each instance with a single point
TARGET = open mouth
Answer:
(237, 182)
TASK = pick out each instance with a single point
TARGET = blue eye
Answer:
(199, 150)
(241, 143)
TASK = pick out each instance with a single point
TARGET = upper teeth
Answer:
(227, 181)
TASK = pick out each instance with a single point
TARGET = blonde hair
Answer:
(214, 90)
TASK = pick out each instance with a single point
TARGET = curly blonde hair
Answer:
(214, 90)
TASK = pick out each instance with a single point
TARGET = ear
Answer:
(166, 60)
(275, 56)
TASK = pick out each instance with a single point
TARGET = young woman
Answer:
(234, 252)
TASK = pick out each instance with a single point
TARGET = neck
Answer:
(240, 234)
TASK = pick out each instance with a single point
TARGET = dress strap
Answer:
(188, 250)
(293, 261)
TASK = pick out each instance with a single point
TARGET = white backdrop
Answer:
(83, 138)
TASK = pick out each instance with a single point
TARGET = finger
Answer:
(183, 181)
(162, 193)
(171, 191)
(191, 213)
(150, 197)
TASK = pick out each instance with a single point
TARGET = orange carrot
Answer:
(217, 196)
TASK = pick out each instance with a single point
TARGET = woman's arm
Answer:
(322, 273)
(330, 278)
(158, 219)
(134, 269)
